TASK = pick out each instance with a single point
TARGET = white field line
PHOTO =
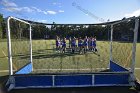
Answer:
(137, 68)
(79, 69)
(2, 71)
(7, 58)
(62, 69)
(67, 69)
(4, 54)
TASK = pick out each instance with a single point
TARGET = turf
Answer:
(3, 55)
(46, 57)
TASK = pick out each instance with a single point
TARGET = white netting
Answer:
(71, 48)
(20, 44)
(51, 58)
(123, 35)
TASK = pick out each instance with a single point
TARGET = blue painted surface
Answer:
(115, 67)
(70, 80)
(25, 70)
(111, 79)
(73, 80)
(25, 81)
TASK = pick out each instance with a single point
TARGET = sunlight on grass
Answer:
(46, 57)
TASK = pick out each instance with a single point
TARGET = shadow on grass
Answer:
(51, 53)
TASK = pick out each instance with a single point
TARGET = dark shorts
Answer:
(85, 44)
(91, 44)
(73, 45)
(80, 44)
(63, 45)
(94, 44)
(57, 44)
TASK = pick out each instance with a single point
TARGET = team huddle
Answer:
(82, 46)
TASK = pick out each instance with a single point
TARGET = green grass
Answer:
(137, 72)
(3, 55)
(138, 55)
(46, 57)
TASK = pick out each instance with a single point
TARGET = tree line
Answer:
(41, 31)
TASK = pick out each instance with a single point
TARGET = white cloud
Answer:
(39, 10)
(135, 13)
(7, 3)
(27, 9)
(18, 9)
(57, 4)
(61, 11)
(44, 12)
(51, 12)
(13, 7)
(54, 3)
(36, 9)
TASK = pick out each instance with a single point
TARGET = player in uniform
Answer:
(94, 45)
(80, 45)
(73, 44)
(64, 45)
(58, 43)
(69, 42)
(85, 44)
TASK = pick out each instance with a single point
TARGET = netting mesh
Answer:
(3, 57)
(49, 61)
(71, 48)
(123, 35)
(20, 45)
(48, 57)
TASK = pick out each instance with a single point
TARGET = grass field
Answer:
(46, 59)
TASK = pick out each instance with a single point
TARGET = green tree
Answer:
(39, 31)
(1, 21)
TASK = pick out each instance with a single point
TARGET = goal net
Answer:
(19, 44)
(122, 45)
(68, 48)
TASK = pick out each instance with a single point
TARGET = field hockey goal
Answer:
(71, 55)
(19, 45)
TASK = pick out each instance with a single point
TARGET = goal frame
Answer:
(9, 45)
(122, 76)
(132, 68)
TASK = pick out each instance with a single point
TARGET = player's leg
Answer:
(64, 48)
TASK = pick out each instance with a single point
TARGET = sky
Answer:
(70, 11)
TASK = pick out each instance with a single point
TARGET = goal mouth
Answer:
(68, 48)
(19, 44)
(65, 55)
(114, 69)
